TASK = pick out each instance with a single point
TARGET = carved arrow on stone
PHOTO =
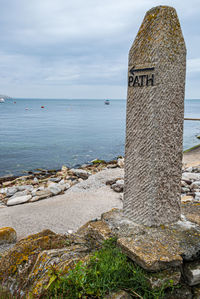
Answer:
(133, 70)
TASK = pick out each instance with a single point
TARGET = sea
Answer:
(68, 132)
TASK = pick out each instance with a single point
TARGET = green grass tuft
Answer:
(107, 270)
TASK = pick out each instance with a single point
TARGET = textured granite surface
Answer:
(155, 113)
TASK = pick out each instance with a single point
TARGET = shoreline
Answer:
(52, 171)
(43, 184)
(190, 156)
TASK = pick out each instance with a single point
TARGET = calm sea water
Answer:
(68, 132)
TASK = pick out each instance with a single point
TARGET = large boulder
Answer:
(17, 263)
(26, 266)
(63, 259)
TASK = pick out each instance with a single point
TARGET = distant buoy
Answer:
(42, 106)
(14, 102)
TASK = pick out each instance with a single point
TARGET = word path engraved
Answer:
(141, 79)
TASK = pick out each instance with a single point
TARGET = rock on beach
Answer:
(18, 200)
(80, 173)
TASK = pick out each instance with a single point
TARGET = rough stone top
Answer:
(160, 31)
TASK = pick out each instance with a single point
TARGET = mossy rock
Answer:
(97, 161)
(52, 261)
(17, 263)
(196, 147)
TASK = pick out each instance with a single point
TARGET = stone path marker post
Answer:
(155, 114)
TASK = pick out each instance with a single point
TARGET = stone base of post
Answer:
(166, 252)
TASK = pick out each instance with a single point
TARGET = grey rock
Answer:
(184, 184)
(64, 187)
(43, 193)
(49, 183)
(80, 173)
(111, 182)
(118, 295)
(120, 162)
(163, 279)
(34, 198)
(191, 176)
(40, 194)
(195, 191)
(56, 180)
(55, 189)
(185, 189)
(191, 272)
(183, 292)
(197, 196)
(41, 188)
(3, 190)
(112, 166)
(25, 187)
(195, 185)
(11, 191)
(20, 193)
(118, 186)
(189, 169)
(33, 192)
(155, 248)
(62, 182)
(36, 180)
(120, 182)
(18, 200)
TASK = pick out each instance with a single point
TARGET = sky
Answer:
(79, 49)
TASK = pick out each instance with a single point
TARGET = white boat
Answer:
(2, 100)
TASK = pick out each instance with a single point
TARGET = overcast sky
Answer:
(79, 49)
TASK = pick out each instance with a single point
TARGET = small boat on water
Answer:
(107, 102)
(2, 100)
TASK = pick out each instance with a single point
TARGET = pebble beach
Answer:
(66, 199)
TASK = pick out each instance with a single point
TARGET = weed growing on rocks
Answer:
(106, 271)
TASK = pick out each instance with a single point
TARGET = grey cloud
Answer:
(64, 45)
